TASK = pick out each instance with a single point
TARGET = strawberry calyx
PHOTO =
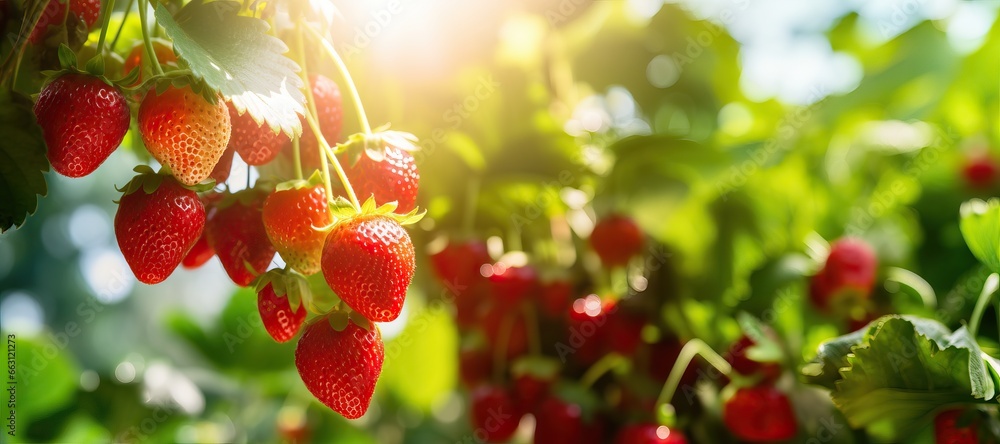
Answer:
(297, 184)
(343, 315)
(285, 283)
(149, 181)
(68, 64)
(343, 210)
(374, 145)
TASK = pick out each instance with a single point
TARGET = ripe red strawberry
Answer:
(648, 433)
(394, 178)
(200, 253)
(280, 321)
(848, 275)
(83, 121)
(55, 12)
(947, 431)
(291, 218)
(164, 54)
(981, 171)
(616, 239)
(495, 414)
(330, 116)
(531, 390)
(760, 414)
(474, 365)
(623, 331)
(511, 285)
(185, 132)
(87, 10)
(257, 144)
(221, 171)
(516, 340)
(236, 233)
(459, 262)
(560, 422)
(340, 368)
(155, 231)
(587, 321)
(743, 365)
(368, 262)
(555, 297)
(53, 15)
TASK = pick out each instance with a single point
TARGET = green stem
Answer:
(342, 68)
(324, 146)
(503, 340)
(694, 347)
(109, 6)
(607, 363)
(471, 199)
(989, 288)
(12, 64)
(128, 9)
(296, 157)
(146, 39)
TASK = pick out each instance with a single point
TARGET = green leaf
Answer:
(22, 162)
(981, 228)
(235, 55)
(45, 375)
(900, 370)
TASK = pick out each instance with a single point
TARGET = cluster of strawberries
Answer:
(536, 345)
(176, 216)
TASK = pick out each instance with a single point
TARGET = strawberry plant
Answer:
(524, 221)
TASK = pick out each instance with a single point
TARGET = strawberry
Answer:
(847, 276)
(616, 239)
(87, 10)
(533, 377)
(280, 321)
(83, 120)
(256, 143)
(156, 229)
(164, 54)
(221, 171)
(760, 414)
(292, 218)
(743, 365)
(340, 368)
(368, 261)
(947, 430)
(560, 422)
(458, 263)
(555, 297)
(511, 285)
(236, 233)
(330, 116)
(623, 332)
(474, 365)
(586, 334)
(53, 15)
(184, 132)
(648, 433)
(393, 178)
(495, 414)
(516, 340)
(981, 171)
(200, 253)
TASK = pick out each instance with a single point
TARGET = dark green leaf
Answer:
(901, 370)
(22, 162)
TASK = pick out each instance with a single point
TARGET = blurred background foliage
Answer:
(737, 133)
